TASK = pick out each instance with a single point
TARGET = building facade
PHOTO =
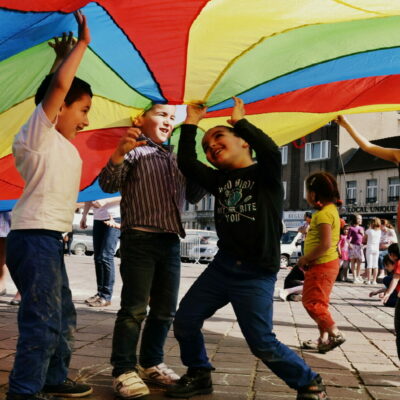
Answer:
(370, 186)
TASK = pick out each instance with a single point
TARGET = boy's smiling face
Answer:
(224, 150)
(157, 123)
(74, 117)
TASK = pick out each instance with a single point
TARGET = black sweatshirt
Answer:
(249, 201)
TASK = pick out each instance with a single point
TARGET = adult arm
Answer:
(86, 208)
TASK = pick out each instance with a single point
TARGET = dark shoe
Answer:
(195, 381)
(15, 302)
(37, 396)
(100, 302)
(333, 342)
(313, 391)
(68, 388)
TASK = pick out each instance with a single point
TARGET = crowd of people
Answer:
(154, 183)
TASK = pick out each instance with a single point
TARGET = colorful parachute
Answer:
(296, 64)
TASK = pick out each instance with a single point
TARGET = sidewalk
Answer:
(365, 367)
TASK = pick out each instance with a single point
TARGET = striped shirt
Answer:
(152, 187)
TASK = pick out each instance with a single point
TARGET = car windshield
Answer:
(288, 237)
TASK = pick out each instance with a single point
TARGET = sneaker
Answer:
(68, 388)
(92, 299)
(283, 294)
(295, 297)
(333, 342)
(195, 381)
(129, 385)
(374, 283)
(37, 396)
(314, 391)
(159, 375)
(100, 302)
(310, 344)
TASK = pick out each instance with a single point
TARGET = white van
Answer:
(290, 247)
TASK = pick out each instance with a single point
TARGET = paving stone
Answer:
(341, 377)
(384, 393)
(377, 379)
(220, 378)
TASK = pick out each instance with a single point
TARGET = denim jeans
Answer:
(46, 316)
(382, 254)
(251, 294)
(105, 241)
(150, 271)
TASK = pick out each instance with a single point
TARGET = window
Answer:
(351, 192)
(372, 191)
(284, 154)
(394, 189)
(284, 183)
(318, 150)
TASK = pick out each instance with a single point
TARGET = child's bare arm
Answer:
(62, 47)
(325, 234)
(391, 288)
(63, 77)
(378, 151)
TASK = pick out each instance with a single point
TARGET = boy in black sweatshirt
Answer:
(248, 211)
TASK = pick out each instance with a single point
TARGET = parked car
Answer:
(199, 246)
(290, 247)
(82, 243)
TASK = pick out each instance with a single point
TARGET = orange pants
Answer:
(318, 284)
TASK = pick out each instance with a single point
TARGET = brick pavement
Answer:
(365, 367)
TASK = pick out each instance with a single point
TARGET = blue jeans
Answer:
(382, 254)
(105, 241)
(251, 294)
(150, 271)
(46, 316)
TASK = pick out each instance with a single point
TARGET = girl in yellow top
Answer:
(321, 260)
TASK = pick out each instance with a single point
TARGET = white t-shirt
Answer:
(107, 211)
(51, 168)
(374, 237)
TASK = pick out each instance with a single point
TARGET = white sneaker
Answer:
(283, 294)
(129, 386)
(159, 375)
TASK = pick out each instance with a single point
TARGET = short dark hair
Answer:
(75, 92)
(394, 249)
(387, 260)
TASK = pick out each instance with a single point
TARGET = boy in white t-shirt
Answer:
(51, 168)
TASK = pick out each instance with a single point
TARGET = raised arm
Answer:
(267, 152)
(194, 170)
(388, 154)
(62, 47)
(113, 174)
(64, 75)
